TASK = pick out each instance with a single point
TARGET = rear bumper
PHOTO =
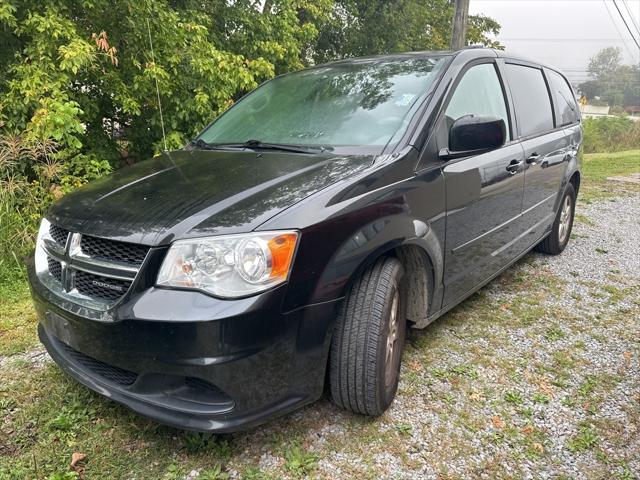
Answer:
(192, 361)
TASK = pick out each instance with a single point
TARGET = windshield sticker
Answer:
(404, 99)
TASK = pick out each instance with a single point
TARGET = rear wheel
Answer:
(557, 240)
(367, 343)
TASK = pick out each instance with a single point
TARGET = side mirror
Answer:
(472, 134)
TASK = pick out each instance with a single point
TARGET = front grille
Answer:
(114, 251)
(97, 274)
(113, 374)
(55, 269)
(96, 286)
(58, 234)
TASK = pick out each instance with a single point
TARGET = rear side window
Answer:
(531, 99)
(567, 107)
(478, 93)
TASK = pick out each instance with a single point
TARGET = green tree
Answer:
(368, 27)
(615, 84)
(605, 63)
(82, 72)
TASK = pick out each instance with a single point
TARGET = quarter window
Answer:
(479, 93)
(531, 99)
(567, 107)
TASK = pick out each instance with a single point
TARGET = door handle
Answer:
(533, 158)
(514, 166)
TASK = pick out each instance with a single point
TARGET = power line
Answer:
(617, 29)
(633, 20)
(624, 20)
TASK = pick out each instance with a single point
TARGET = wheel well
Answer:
(418, 281)
(575, 181)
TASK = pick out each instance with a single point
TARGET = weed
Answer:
(527, 412)
(584, 440)
(299, 461)
(540, 398)
(215, 473)
(579, 218)
(196, 442)
(404, 428)
(513, 397)
(174, 472)
(554, 333)
(587, 386)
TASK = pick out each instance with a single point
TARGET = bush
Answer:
(611, 134)
(33, 174)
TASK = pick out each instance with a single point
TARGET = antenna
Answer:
(155, 76)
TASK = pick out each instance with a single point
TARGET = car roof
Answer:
(471, 52)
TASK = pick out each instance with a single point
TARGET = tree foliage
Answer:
(615, 84)
(81, 73)
(368, 27)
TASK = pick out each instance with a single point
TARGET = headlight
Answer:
(230, 266)
(40, 254)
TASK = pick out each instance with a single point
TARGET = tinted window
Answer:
(531, 99)
(478, 93)
(345, 104)
(567, 107)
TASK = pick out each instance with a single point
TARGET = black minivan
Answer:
(287, 247)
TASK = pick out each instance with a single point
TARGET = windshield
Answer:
(344, 104)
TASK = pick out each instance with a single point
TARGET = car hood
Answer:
(195, 193)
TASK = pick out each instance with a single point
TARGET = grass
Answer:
(494, 371)
(597, 167)
(17, 318)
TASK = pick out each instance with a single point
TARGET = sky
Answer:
(564, 33)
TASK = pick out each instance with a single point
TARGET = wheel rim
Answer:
(392, 340)
(565, 219)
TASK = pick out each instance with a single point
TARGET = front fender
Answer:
(335, 251)
(397, 235)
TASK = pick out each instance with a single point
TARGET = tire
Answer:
(363, 375)
(560, 234)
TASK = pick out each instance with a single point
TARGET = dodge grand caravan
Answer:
(290, 244)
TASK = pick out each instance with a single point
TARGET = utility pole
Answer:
(459, 32)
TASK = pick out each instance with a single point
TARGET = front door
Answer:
(483, 192)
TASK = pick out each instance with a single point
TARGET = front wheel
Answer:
(366, 348)
(557, 240)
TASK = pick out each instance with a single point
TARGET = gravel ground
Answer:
(549, 388)
(36, 357)
(535, 376)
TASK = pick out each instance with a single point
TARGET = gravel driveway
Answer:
(536, 376)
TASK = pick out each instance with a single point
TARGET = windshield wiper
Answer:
(258, 145)
(282, 147)
(201, 144)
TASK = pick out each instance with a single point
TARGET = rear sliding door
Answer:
(545, 145)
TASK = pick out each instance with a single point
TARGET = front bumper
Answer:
(192, 361)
